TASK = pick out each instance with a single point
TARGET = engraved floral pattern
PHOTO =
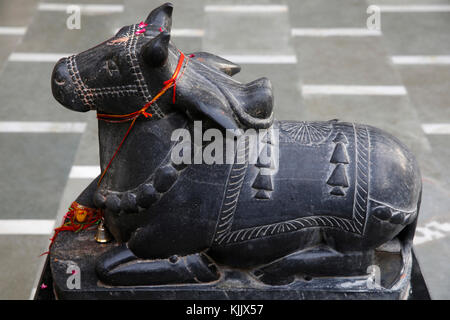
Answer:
(307, 133)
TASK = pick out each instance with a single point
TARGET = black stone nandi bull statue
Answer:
(330, 196)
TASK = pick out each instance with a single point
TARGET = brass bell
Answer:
(103, 235)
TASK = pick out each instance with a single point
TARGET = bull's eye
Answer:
(111, 67)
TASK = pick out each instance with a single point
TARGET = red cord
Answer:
(71, 221)
(113, 118)
(117, 150)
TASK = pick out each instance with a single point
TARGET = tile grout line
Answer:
(84, 172)
(36, 57)
(246, 8)
(26, 226)
(12, 31)
(41, 127)
(187, 33)
(397, 60)
(308, 90)
(84, 8)
(334, 32)
(414, 8)
(261, 59)
(436, 128)
(37, 227)
(421, 60)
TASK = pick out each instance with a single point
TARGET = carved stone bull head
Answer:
(122, 74)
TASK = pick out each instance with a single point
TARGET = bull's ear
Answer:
(213, 109)
(161, 17)
(219, 115)
(217, 62)
(156, 51)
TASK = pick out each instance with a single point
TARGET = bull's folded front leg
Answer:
(119, 266)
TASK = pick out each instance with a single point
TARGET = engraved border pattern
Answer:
(233, 189)
(362, 179)
(355, 225)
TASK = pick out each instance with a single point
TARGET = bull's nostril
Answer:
(60, 82)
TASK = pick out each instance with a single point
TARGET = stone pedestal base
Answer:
(71, 272)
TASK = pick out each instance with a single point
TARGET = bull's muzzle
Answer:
(64, 89)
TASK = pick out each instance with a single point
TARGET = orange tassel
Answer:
(77, 218)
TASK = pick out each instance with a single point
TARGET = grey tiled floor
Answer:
(19, 263)
(51, 34)
(34, 168)
(327, 14)
(8, 44)
(327, 61)
(37, 104)
(17, 13)
(427, 86)
(427, 35)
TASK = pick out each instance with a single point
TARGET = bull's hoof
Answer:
(321, 261)
(120, 267)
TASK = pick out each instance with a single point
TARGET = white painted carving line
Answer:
(13, 31)
(246, 8)
(26, 226)
(84, 172)
(188, 33)
(84, 8)
(353, 90)
(436, 128)
(262, 59)
(334, 32)
(36, 57)
(420, 59)
(415, 8)
(42, 127)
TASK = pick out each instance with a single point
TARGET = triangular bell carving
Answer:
(261, 162)
(262, 194)
(338, 177)
(263, 182)
(340, 137)
(337, 191)
(340, 154)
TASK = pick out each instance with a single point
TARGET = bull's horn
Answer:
(161, 17)
(217, 62)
